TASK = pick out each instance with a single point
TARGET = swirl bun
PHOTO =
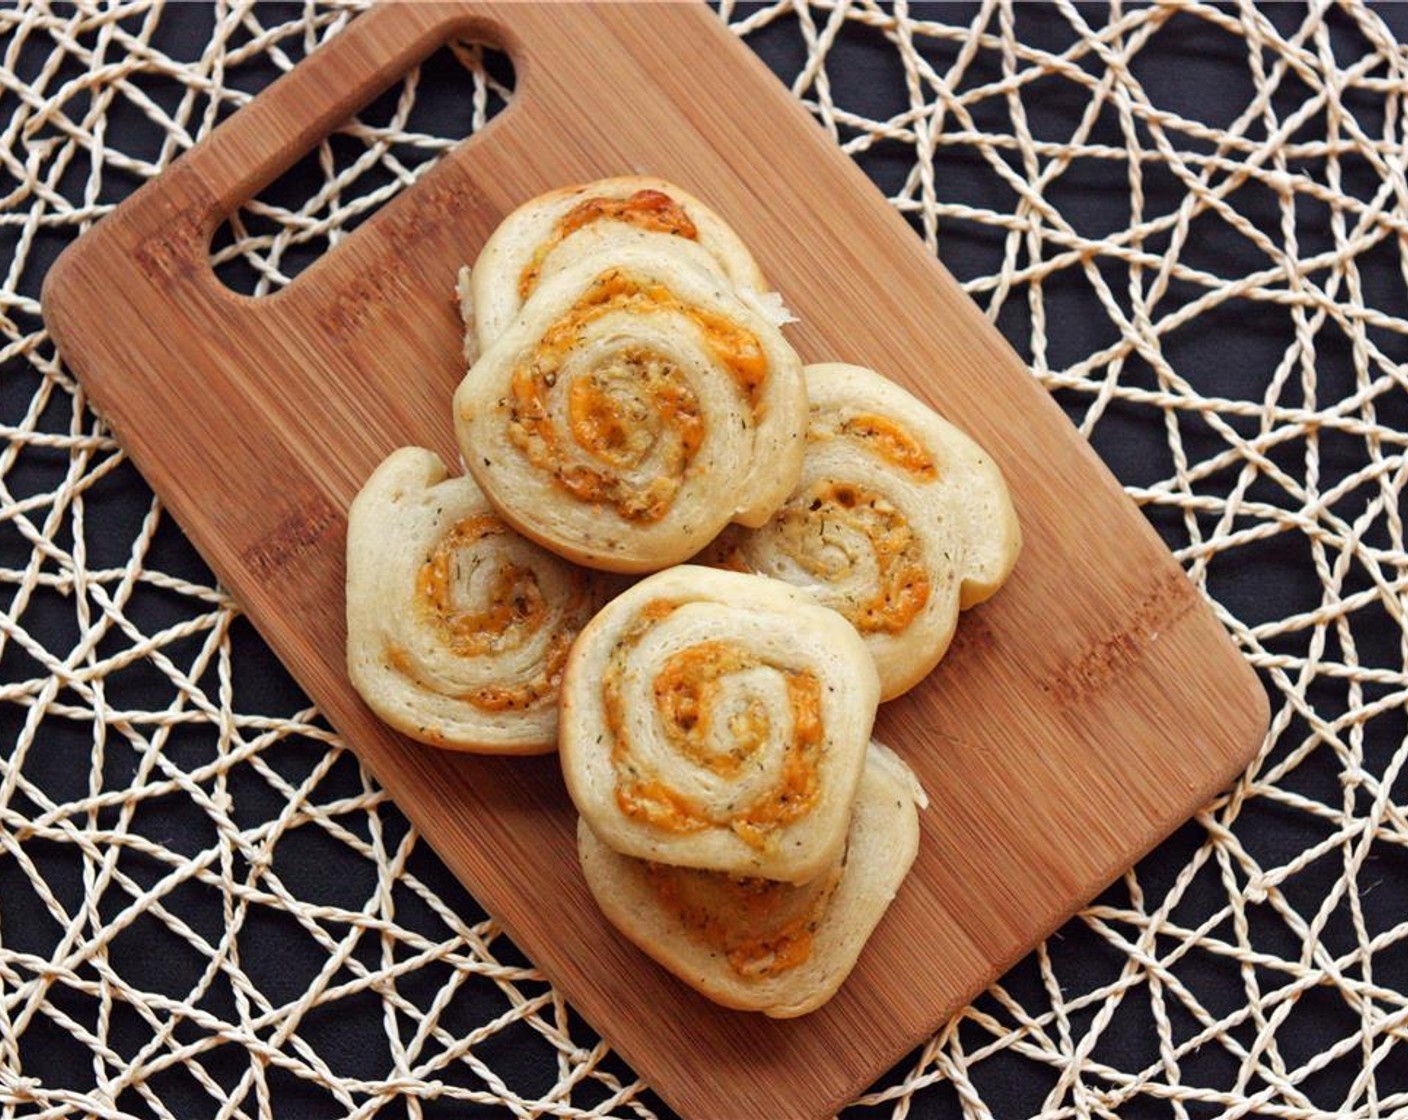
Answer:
(546, 232)
(458, 629)
(633, 409)
(756, 944)
(718, 721)
(899, 521)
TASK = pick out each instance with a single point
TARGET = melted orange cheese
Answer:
(619, 431)
(600, 424)
(657, 609)
(516, 609)
(730, 559)
(903, 585)
(515, 600)
(399, 659)
(762, 927)
(893, 442)
(618, 416)
(515, 697)
(649, 210)
(687, 689)
(797, 792)
(652, 801)
(737, 348)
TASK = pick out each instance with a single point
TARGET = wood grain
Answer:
(1079, 718)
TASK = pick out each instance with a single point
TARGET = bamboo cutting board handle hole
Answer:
(299, 111)
(287, 227)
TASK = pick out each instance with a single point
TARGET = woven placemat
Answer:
(1193, 223)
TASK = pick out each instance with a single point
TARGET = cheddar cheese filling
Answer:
(690, 690)
(646, 209)
(481, 606)
(893, 442)
(761, 927)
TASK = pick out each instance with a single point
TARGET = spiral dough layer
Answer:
(633, 409)
(718, 721)
(757, 944)
(458, 629)
(899, 521)
(554, 229)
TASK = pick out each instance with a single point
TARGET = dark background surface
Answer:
(1197, 71)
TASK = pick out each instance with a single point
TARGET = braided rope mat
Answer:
(1191, 220)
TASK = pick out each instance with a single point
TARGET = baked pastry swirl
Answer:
(633, 409)
(549, 231)
(899, 521)
(757, 944)
(718, 721)
(458, 629)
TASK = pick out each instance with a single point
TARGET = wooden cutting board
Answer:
(1080, 717)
